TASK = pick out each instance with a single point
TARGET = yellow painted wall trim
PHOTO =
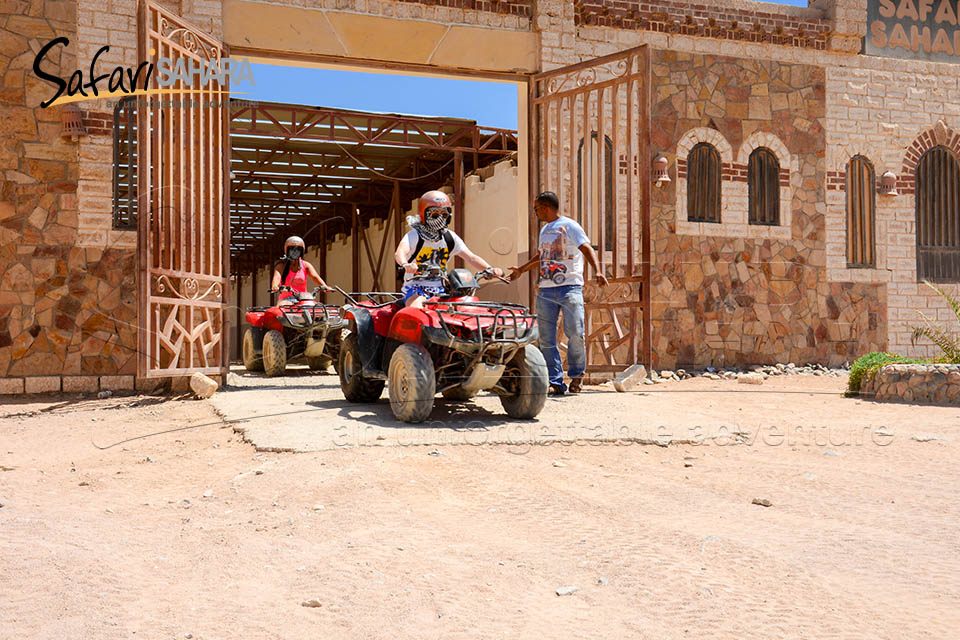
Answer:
(298, 31)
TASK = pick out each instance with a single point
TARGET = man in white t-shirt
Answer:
(430, 242)
(563, 247)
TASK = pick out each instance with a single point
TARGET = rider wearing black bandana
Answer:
(430, 242)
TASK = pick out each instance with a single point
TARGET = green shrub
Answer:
(948, 341)
(866, 366)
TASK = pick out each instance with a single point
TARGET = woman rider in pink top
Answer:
(298, 270)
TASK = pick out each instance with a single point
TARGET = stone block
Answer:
(203, 386)
(11, 386)
(750, 378)
(630, 379)
(42, 384)
(80, 384)
(116, 383)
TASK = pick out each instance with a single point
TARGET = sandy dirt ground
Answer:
(196, 532)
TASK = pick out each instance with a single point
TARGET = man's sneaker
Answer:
(556, 390)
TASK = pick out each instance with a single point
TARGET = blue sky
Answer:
(492, 104)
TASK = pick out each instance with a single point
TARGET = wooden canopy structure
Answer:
(316, 172)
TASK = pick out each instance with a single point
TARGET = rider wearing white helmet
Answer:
(430, 242)
(293, 270)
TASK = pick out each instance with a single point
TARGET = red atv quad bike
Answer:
(457, 345)
(285, 331)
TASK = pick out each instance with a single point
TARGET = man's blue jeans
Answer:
(550, 301)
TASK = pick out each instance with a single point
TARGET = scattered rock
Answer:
(312, 603)
(2, 504)
(105, 394)
(435, 452)
(603, 581)
(809, 475)
(84, 484)
(924, 438)
(208, 493)
(567, 591)
(667, 374)
(831, 453)
(5, 468)
(648, 381)
(763, 502)
(687, 464)
(631, 378)
(557, 463)
(318, 507)
(750, 378)
(258, 472)
(202, 385)
(188, 635)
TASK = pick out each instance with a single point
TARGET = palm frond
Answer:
(948, 344)
(951, 300)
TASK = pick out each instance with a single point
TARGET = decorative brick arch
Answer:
(693, 137)
(760, 139)
(837, 175)
(939, 135)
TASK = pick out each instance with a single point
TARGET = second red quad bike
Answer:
(457, 345)
(284, 331)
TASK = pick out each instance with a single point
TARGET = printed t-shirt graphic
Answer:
(561, 262)
(433, 252)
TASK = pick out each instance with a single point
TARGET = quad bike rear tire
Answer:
(356, 387)
(252, 352)
(319, 363)
(413, 383)
(274, 353)
(528, 368)
(458, 394)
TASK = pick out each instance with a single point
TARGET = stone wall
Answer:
(734, 293)
(921, 383)
(64, 309)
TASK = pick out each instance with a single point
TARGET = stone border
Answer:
(919, 383)
(67, 384)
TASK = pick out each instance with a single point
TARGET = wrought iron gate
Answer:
(589, 126)
(183, 226)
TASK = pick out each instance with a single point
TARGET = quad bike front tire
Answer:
(355, 387)
(413, 383)
(252, 352)
(274, 353)
(528, 372)
(458, 394)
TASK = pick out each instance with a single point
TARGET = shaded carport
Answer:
(318, 172)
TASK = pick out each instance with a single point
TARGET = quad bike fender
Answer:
(407, 325)
(254, 318)
(369, 343)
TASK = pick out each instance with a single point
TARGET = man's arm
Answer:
(401, 255)
(477, 262)
(516, 272)
(591, 257)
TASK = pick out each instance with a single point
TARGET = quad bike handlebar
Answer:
(435, 272)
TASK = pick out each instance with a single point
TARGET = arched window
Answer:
(125, 163)
(938, 216)
(703, 183)
(861, 213)
(589, 181)
(763, 178)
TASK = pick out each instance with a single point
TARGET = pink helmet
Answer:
(434, 200)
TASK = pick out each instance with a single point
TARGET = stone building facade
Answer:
(736, 74)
